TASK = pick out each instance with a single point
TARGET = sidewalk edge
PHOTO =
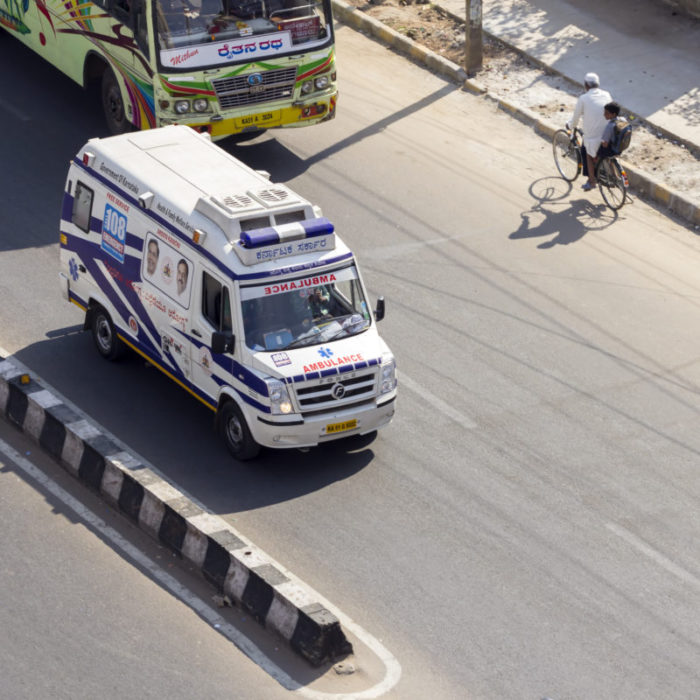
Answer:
(236, 568)
(639, 120)
(640, 181)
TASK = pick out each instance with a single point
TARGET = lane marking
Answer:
(14, 111)
(435, 401)
(212, 616)
(394, 251)
(654, 555)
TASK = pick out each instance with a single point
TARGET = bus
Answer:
(220, 66)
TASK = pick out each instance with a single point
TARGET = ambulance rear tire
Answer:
(113, 104)
(234, 430)
(105, 335)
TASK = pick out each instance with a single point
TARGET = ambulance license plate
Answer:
(259, 119)
(341, 427)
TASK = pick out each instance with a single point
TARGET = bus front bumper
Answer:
(315, 109)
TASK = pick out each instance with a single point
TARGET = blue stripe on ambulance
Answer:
(237, 370)
(88, 253)
(84, 249)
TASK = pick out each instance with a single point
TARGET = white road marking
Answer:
(434, 401)
(4, 104)
(393, 669)
(400, 249)
(654, 555)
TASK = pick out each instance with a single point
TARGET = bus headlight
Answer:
(279, 398)
(388, 377)
(321, 83)
(182, 106)
(306, 87)
(200, 105)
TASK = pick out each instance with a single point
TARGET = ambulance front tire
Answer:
(235, 433)
(113, 104)
(104, 335)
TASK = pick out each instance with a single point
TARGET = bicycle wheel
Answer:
(567, 157)
(611, 183)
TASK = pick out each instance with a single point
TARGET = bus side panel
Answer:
(32, 27)
(69, 35)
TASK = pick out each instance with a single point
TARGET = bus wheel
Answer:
(104, 335)
(234, 430)
(113, 105)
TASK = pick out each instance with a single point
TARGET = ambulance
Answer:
(235, 287)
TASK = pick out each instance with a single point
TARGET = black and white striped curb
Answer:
(235, 567)
(640, 181)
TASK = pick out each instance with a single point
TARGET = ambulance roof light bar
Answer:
(270, 243)
(271, 235)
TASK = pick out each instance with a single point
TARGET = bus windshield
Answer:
(305, 311)
(239, 29)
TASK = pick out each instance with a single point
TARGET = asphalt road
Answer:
(528, 525)
(92, 608)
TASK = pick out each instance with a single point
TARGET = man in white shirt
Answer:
(590, 107)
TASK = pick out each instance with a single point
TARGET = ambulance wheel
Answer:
(234, 430)
(113, 105)
(105, 336)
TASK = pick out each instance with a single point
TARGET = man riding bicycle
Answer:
(590, 106)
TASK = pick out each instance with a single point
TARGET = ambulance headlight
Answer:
(279, 398)
(388, 376)
(307, 87)
(321, 83)
(182, 106)
(200, 105)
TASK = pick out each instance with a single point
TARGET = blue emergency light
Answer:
(271, 235)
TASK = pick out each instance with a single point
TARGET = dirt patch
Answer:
(508, 74)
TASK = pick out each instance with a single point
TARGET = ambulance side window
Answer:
(82, 206)
(216, 303)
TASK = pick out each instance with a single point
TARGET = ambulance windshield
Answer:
(304, 311)
(228, 29)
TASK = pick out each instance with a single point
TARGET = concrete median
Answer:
(232, 565)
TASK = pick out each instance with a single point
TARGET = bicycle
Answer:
(611, 177)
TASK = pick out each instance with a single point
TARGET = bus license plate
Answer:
(259, 119)
(341, 427)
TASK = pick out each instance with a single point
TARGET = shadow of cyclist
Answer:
(568, 221)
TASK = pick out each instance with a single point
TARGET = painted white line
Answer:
(654, 555)
(4, 104)
(393, 669)
(434, 401)
(400, 249)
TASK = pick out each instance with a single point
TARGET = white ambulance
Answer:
(235, 287)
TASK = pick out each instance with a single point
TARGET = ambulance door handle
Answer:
(82, 268)
(196, 332)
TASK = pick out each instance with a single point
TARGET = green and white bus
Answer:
(220, 66)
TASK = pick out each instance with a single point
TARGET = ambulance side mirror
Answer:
(222, 342)
(379, 311)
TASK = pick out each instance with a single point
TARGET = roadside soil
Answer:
(508, 74)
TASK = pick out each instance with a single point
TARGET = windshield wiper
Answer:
(349, 329)
(300, 342)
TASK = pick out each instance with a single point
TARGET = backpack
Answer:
(621, 136)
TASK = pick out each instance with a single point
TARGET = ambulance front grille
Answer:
(238, 92)
(319, 397)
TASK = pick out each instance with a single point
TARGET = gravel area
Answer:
(510, 75)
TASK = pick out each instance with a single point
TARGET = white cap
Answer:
(592, 79)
